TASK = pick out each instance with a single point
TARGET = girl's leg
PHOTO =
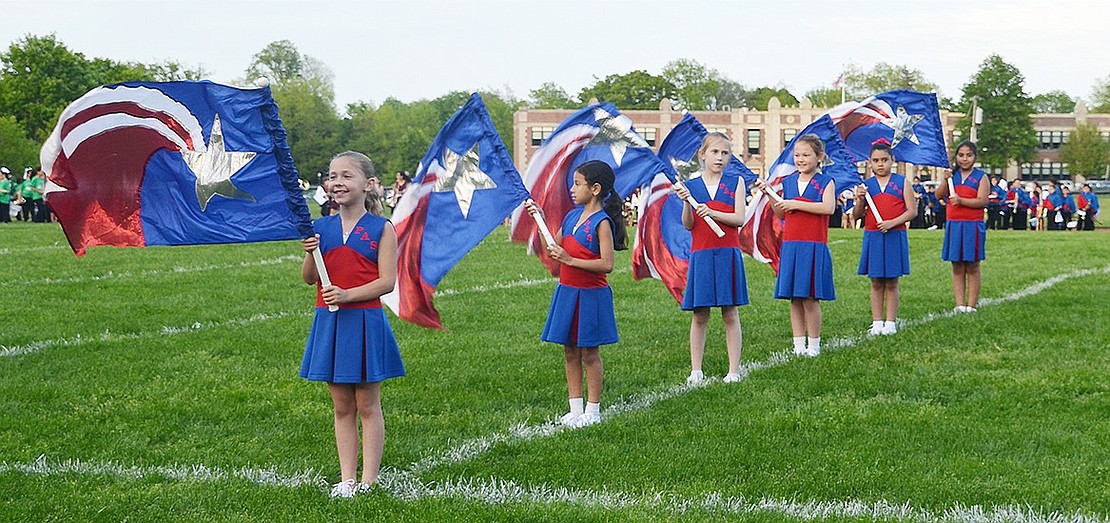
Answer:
(346, 428)
(573, 368)
(812, 309)
(878, 288)
(892, 297)
(974, 282)
(698, 326)
(797, 317)
(591, 359)
(734, 340)
(369, 396)
(959, 283)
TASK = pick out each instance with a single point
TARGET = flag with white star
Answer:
(761, 234)
(909, 120)
(597, 132)
(662, 248)
(465, 187)
(174, 163)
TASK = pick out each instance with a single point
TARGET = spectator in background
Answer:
(994, 204)
(400, 184)
(1069, 207)
(1087, 202)
(24, 189)
(5, 195)
(918, 222)
(1017, 199)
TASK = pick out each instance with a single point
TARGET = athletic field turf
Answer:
(161, 384)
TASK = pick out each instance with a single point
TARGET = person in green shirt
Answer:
(5, 195)
(39, 212)
(23, 194)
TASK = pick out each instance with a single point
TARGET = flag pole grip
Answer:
(771, 192)
(547, 236)
(951, 188)
(709, 221)
(874, 210)
(323, 271)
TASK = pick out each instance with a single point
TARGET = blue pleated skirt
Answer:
(715, 278)
(805, 271)
(964, 241)
(581, 317)
(351, 346)
(885, 255)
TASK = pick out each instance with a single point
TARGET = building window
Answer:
(1044, 171)
(754, 139)
(787, 135)
(648, 134)
(1052, 139)
(540, 133)
(993, 171)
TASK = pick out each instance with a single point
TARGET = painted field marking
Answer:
(112, 275)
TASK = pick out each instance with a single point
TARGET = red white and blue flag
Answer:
(909, 120)
(465, 187)
(176, 163)
(662, 248)
(761, 235)
(597, 132)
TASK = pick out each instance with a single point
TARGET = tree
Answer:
(1086, 152)
(696, 85)
(280, 62)
(550, 96)
(312, 124)
(824, 97)
(635, 90)
(762, 95)
(16, 150)
(1007, 130)
(40, 76)
(1100, 96)
(171, 71)
(859, 84)
(1053, 102)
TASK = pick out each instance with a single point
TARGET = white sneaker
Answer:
(569, 419)
(344, 489)
(888, 329)
(695, 378)
(959, 309)
(875, 330)
(733, 377)
(799, 351)
(586, 419)
(813, 353)
(970, 309)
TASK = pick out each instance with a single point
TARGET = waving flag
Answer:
(597, 132)
(175, 163)
(465, 186)
(662, 248)
(909, 120)
(761, 235)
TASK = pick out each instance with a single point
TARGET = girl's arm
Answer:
(602, 265)
(387, 274)
(687, 211)
(761, 184)
(308, 268)
(734, 218)
(861, 201)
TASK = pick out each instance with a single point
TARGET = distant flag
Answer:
(662, 248)
(597, 132)
(761, 235)
(176, 163)
(465, 187)
(839, 80)
(909, 120)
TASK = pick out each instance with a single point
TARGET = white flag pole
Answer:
(323, 271)
(874, 210)
(951, 188)
(712, 224)
(771, 192)
(547, 236)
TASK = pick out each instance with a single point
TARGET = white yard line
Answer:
(261, 476)
(112, 275)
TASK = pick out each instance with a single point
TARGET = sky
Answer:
(421, 49)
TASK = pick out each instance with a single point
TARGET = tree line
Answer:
(40, 76)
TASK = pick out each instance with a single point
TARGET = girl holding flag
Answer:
(715, 277)
(965, 233)
(887, 203)
(581, 317)
(805, 262)
(353, 348)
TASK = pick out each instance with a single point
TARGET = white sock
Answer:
(889, 325)
(877, 324)
(576, 406)
(593, 408)
(799, 342)
(814, 344)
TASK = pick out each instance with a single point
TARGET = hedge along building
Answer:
(758, 137)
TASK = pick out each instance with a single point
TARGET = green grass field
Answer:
(161, 384)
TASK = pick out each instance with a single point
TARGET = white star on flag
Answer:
(462, 176)
(616, 132)
(214, 168)
(902, 123)
(685, 170)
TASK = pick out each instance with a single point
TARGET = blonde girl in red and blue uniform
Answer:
(805, 262)
(581, 317)
(715, 277)
(353, 349)
(886, 248)
(965, 233)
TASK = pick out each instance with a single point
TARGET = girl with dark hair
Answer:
(715, 277)
(965, 233)
(581, 317)
(886, 248)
